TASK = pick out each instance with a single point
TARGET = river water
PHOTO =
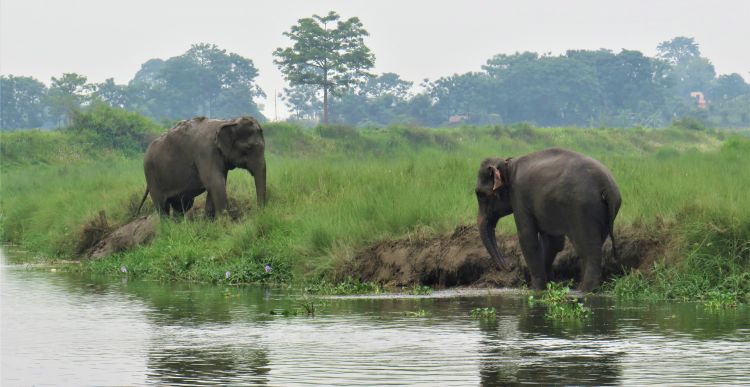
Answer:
(64, 329)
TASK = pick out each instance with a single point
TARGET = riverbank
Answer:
(335, 192)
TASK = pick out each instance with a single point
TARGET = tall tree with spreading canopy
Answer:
(330, 58)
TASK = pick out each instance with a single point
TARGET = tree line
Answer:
(328, 69)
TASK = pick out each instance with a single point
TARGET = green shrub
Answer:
(689, 123)
(337, 131)
(114, 128)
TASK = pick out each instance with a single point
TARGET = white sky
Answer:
(415, 39)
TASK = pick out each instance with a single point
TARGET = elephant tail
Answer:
(612, 202)
(143, 200)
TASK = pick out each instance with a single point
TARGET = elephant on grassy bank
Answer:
(196, 155)
(552, 194)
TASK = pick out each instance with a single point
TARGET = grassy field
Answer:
(335, 189)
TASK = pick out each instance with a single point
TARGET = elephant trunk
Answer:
(260, 184)
(487, 233)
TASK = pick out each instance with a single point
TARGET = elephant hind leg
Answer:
(161, 204)
(551, 245)
(588, 243)
(181, 204)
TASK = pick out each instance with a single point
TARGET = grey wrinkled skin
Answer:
(195, 156)
(552, 194)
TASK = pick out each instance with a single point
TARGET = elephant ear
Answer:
(225, 137)
(498, 177)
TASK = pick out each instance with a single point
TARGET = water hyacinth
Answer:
(123, 269)
(227, 274)
(268, 268)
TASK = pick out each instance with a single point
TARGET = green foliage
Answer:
(113, 128)
(561, 306)
(346, 287)
(689, 123)
(66, 94)
(419, 290)
(22, 103)
(331, 58)
(715, 264)
(337, 131)
(324, 202)
(720, 300)
(483, 313)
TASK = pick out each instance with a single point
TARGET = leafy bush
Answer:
(689, 123)
(337, 131)
(114, 128)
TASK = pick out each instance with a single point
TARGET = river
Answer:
(64, 329)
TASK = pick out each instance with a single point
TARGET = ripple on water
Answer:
(62, 329)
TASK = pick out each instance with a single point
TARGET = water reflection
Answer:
(60, 328)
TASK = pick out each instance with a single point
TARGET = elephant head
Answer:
(493, 197)
(242, 145)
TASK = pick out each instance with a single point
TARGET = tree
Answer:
(333, 59)
(679, 49)
(67, 94)
(205, 80)
(380, 100)
(112, 94)
(303, 101)
(22, 102)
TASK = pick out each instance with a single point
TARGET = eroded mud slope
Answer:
(459, 258)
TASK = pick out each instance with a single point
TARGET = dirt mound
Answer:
(460, 259)
(99, 239)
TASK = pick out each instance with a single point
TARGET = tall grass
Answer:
(332, 191)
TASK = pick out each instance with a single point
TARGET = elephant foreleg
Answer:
(532, 253)
(218, 194)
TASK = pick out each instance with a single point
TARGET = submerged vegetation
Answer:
(561, 305)
(335, 189)
(483, 313)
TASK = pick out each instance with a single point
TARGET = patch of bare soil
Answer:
(460, 259)
(99, 238)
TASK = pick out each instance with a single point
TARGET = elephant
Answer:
(195, 156)
(553, 193)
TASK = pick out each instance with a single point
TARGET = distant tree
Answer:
(727, 87)
(689, 71)
(205, 80)
(387, 84)
(679, 49)
(473, 94)
(634, 88)
(333, 59)
(546, 90)
(67, 94)
(112, 94)
(303, 101)
(22, 102)
(380, 100)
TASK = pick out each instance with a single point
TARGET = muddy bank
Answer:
(460, 259)
(99, 239)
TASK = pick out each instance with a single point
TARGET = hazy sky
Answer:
(416, 39)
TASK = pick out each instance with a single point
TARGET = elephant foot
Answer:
(588, 286)
(538, 284)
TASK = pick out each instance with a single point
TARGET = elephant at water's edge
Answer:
(552, 194)
(195, 156)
